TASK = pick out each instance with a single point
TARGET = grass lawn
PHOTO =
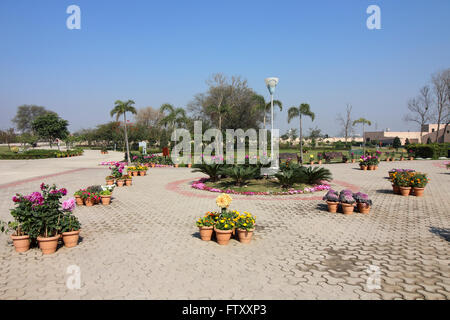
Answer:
(255, 185)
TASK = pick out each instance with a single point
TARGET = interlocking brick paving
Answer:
(146, 246)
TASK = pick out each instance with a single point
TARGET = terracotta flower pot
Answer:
(311, 163)
(79, 201)
(48, 245)
(363, 167)
(142, 173)
(120, 183)
(153, 165)
(402, 159)
(206, 233)
(371, 167)
(176, 166)
(89, 202)
(395, 189)
(189, 165)
(110, 182)
(353, 160)
(319, 162)
(347, 208)
(244, 235)
(418, 192)
(128, 182)
(134, 173)
(332, 206)
(405, 191)
(223, 236)
(21, 243)
(71, 238)
(376, 167)
(363, 208)
(106, 200)
(411, 158)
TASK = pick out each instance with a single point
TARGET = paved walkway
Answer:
(146, 246)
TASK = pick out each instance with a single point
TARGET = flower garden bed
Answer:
(273, 189)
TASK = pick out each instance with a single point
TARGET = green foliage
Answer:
(212, 170)
(432, 150)
(25, 116)
(50, 127)
(314, 175)
(239, 173)
(69, 222)
(396, 143)
(290, 174)
(40, 154)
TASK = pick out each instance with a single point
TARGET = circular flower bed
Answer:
(200, 185)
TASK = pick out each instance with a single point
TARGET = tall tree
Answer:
(420, 108)
(302, 110)
(346, 122)
(363, 122)
(121, 108)
(219, 111)
(265, 106)
(234, 93)
(172, 117)
(440, 82)
(50, 127)
(25, 116)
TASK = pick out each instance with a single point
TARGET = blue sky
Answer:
(163, 51)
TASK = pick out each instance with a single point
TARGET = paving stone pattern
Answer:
(145, 244)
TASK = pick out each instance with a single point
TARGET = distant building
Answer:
(428, 131)
(324, 140)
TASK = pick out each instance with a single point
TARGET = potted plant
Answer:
(363, 163)
(105, 196)
(120, 181)
(363, 202)
(347, 201)
(47, 216)
(206, 225)
(142, 170)
(109, 180)
(245, 225)
(78, 199)
(89, 198)
(344, 159)
(128, 180)
(402, 157)
(224, 225)
(418, 183)
(411, 154)
(352, 156)
(403, 181)
(69, 224)
(311, 159)
(132, 171)
(319, 158)
(21, 241)
(332, 199)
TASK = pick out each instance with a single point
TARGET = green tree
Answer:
(363, 122)
(120, 109)
(50, 127)
(173, 117)
(396, 143)
(25, 116)
(300, 111)
(8, 136)
(219, 111)
(263, 105)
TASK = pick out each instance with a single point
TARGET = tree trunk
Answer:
(264, 119)
(301, 140)
(126, 137)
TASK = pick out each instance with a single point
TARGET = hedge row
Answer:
(40, 154)
(432, 150)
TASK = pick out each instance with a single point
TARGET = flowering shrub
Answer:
(403, 179)
(419, 180)
(223, 201)
(117, 169)
(331, 196)
(209, 220)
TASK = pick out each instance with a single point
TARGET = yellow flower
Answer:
(226, 226)
(222, 221)
(223, 201)
(244, 224)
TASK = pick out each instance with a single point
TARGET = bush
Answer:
(239, 173)
(212, 170)
(432, 150)
(314, 175)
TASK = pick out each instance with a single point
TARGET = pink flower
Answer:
(69, 204)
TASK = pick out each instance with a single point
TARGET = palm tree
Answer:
(302, 110)
(121, 108)
(172, 116)
(219, 111)
(264, 106)
(364, 122)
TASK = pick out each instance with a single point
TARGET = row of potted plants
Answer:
(347, 200)
(94, 195)
(136, 170)
(369, 162)
(41, 217)
(226, 223)
(408, 182)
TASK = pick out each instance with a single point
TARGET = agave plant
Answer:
(240, 174)
(212, 170)
(287, 178)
